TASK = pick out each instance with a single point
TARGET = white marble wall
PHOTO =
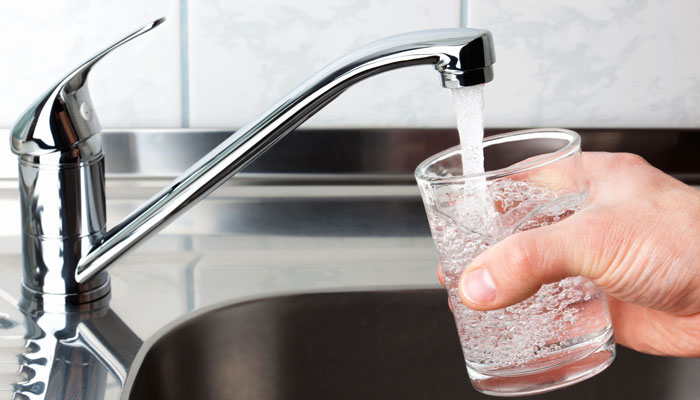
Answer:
(612, 63)
(137, 85)
(594, 63)
(247, 54)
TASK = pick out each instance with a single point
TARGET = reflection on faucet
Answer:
(68, 355)
(66, 244)
(12, 339)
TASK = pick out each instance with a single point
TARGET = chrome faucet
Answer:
(66, 244)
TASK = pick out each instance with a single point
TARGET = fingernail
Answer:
(478, 287)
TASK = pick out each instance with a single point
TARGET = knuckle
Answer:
(630, 159)
(596, 236)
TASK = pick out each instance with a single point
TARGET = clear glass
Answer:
(562, 334)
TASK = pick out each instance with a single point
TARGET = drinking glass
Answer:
(562, 334)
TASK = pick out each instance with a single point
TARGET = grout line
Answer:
(184, 67)
(463, 14)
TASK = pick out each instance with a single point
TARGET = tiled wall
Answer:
(218, 63)
(137, 85)
(622, 63)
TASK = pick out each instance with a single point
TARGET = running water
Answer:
(468, 103)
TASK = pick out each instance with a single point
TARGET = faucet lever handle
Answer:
(63, 116)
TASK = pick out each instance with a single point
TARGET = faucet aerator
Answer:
(457, 79)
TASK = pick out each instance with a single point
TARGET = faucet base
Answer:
(96, 298)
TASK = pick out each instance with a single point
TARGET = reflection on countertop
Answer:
(241, 242)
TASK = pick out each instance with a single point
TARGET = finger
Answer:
(439, 275)
(515, 268)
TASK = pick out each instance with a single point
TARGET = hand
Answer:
(638, 239)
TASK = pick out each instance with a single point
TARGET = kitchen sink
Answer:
(388, 344)
(333, 216)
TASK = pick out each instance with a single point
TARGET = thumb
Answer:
(515, 268)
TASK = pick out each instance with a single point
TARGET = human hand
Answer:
(638, 239)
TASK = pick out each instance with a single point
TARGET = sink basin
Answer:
(393, 344)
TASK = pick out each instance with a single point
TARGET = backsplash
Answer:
(136, 86)
(613, 63)
(260, 50)
(219, 63)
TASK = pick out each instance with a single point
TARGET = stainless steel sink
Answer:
(321, 211)
(393, 344)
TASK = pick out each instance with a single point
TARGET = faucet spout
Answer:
(464, 57)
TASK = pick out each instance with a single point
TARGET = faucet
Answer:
(66, 245)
